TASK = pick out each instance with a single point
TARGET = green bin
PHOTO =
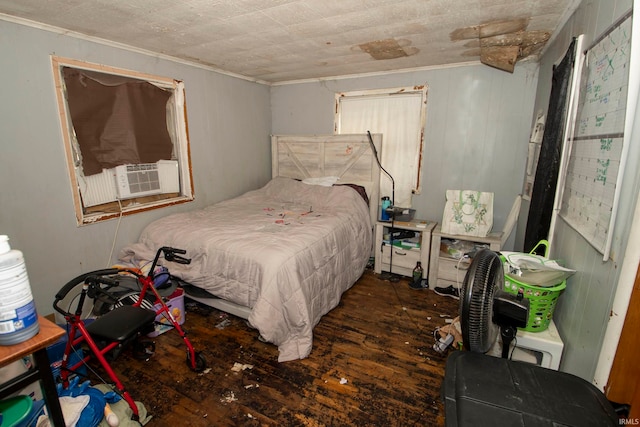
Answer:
(15, 410)
(542, 300)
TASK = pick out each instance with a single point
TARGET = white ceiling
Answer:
(287, 40)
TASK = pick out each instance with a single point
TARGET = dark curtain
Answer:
(544, 187)
(117, 120)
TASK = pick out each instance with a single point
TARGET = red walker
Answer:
(123, 324)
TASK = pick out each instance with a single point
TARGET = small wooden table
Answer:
(37, 345)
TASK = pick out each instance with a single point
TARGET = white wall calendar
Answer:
(597, 151)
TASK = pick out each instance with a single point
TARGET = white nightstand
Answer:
(404, 259)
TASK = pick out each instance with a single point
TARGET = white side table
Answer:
(404, 260)
(547, 342)
(445, 270)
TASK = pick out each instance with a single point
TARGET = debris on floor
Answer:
(206, 371)
(223, 324)
(237, 367)
(448, 335)
(229, 397)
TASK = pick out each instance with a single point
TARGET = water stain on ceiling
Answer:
(388, 49)
(501, 44)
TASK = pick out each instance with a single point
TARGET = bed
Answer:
(281, 256)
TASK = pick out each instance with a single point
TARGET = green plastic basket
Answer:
(542, 300)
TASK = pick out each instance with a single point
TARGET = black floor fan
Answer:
(485, 308)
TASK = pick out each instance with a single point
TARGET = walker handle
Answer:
(170, 255)
(75, 282)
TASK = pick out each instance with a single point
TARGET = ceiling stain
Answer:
(489, 29)
(472, 52)
(501, 44)
(473, 43)
(520, 38)
(388, 49)
(501, 57)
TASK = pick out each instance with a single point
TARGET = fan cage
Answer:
(484, 277)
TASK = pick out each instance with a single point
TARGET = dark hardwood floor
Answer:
(372, 364)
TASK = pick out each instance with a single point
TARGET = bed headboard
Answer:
(348, 157)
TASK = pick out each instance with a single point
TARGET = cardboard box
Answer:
(175, 302)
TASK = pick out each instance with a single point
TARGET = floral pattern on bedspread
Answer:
(288, 251)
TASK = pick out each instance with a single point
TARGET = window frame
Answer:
(422, 91)
(119, 207)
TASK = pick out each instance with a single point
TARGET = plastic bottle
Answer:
(386, 203)
(417, 274)
(19, 320)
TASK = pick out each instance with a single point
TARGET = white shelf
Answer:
(445, 270)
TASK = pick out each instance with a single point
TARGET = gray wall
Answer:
(229, 126)
(476, 132)
(583, 309)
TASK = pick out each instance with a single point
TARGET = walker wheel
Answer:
(201, 363)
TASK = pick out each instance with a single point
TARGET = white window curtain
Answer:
(399, 118)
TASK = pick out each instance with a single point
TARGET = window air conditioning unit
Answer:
(144, 179)
(128, 181)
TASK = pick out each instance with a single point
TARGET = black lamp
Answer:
(391, 276)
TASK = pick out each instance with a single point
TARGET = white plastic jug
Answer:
(18, 317)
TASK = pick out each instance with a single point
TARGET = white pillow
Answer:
(325, 181)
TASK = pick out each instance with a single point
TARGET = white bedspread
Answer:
(287, 251)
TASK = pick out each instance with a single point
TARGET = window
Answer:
(125, 138)
(399, 115)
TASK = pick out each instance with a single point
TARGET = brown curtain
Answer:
(117, 120)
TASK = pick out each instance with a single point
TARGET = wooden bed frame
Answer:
(348, 157)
